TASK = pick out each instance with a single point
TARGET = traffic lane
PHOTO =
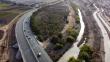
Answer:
(23, 44)
(37, 48)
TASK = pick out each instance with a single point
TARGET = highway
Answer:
(29, 46)
(22, 42)
(27, 42)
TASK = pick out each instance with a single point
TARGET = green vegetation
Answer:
(85, 53)
(77, 19)
(75, 7)
(58, 46)
(72, 32)
(70, 39)
(6, 14)
(47, 23)
(72, 59)
(60, 35)
(3, 5)
(55, 39)
(84, 56)
(6, 17)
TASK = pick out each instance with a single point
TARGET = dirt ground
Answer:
(61, 10)
(7, 53)
(92, 31)
(1, 33)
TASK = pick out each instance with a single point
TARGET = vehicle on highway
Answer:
(39, 54)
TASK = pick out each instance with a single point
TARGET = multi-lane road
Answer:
(26, 52)
(30, 47)
(27, 43)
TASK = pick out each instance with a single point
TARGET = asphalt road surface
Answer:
(25, 50)
(27, 42)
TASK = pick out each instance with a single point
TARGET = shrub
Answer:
(72, 59)
(84, 56)
(40, 37)
(55, 39)
(86, 48)
(72, 32)
(60, 35)
(77, 19)
(85, 53)
(70, 39)
(58, 46)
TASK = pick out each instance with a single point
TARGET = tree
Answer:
(72, 32)
(40, 37)
(70, 39)
(77, 18)
(86, 48)
(72, 59)
(58, 46)
(85, 53)
(55, 39)
(84, 56)
(60, 35)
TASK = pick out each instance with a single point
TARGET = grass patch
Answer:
(6, 17)
(3, 5)
(6, 14)
(46, 23)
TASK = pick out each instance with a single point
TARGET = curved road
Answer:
(22, 42)
(28, 44)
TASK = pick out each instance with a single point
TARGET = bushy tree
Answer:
(70, 39)
(86, 48)
(84, 56)
(77, 19)
(55, 39)
(72, 59)
(60, 35)
(58, 46)
(85, 53)
(72, 32)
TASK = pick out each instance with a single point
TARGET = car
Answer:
(26, 22)
(29, 38)
(26, 36)
(39, 54)
(24, 30)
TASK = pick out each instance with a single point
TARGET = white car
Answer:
(39, 54)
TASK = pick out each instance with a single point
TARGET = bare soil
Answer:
(1, 33)
(60, 10)
(92, 31)
(7, 54)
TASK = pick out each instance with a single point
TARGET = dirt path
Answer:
(70, 19)
(71, 23)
